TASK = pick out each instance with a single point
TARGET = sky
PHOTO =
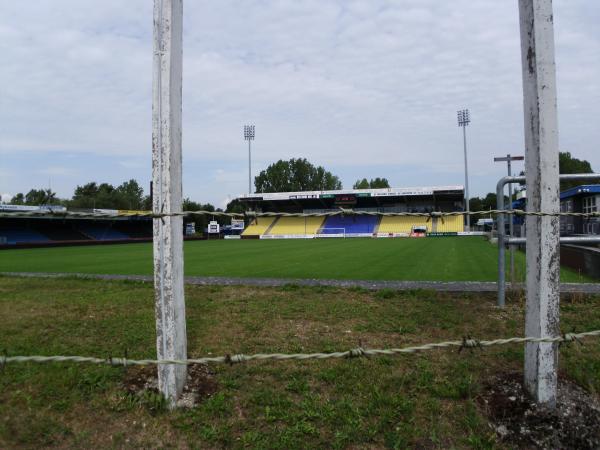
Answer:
(364, 88)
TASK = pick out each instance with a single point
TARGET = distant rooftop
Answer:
(384, 192)
(580, 190)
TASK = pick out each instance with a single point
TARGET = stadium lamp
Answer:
(249, 136)
(463, 120)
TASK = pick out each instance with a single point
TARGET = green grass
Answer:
(441, 259)
(426, 400)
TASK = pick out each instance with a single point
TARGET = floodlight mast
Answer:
(463, 121)
(249, 136)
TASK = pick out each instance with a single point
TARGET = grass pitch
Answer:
(429, 259)
(427, 400)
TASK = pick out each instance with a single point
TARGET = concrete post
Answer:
(541, 168)
(171, 341)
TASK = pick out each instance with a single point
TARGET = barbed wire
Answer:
(466, 343)
(254, 214)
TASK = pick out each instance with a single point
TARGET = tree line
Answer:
(93, 195)
(297, 175)
(282, 176)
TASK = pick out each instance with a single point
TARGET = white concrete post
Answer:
(541, 168)
(171, 341)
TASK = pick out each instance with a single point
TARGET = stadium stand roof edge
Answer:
(580, 190)
(383, 192)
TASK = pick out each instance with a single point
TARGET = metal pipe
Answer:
(511, 190)
(500, 205)
(563, 240)
(501, 229)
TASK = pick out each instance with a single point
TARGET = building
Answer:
(580, 199)
(415, 200)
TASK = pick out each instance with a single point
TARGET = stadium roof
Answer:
(580, 190)
(384, 192)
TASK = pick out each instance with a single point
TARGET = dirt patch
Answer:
(200, 385)
(519, 422)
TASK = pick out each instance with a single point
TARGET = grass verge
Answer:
(424, 400)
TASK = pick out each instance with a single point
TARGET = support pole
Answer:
(249, 167)
(166, 176)
(501, 248)
(541, 168)
(511, 191)
(467, 216)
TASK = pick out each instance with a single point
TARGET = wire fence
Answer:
(466, 343)
(254, 214)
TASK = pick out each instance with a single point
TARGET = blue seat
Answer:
(22, 235)
(102, 232)
(351, 224)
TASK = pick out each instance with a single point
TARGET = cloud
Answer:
(353, 85)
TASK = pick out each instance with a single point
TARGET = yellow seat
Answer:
(296, 226)
(450, 224)
(402, 224)
(258, 226)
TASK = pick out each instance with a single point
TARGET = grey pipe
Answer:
(501, 249)
(563, 240)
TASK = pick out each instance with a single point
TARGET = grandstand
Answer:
(415, 200)
(20, 230)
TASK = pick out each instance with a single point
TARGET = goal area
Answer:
(331, 233)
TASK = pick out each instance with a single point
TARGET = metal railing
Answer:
(517, 241)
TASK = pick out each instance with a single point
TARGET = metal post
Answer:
(463, 120)
(468, 225)
(249, 167)
(501, 249)
(509, 159)
(249, 133)
(541, 164)
(511, 226)
(166, 175)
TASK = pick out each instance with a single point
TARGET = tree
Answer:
(361, 184)
(568, 164)
(18, 199)
(129, 195)
(484, 204)
(37, 197)
(85, 196)
(200, 221)
(235, 206)
(377, 183)
(92, 195)
(295, 175)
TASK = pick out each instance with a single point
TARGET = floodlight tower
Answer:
(463, 121)
(249, 136)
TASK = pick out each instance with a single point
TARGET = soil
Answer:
(200, 385)
(520, 423)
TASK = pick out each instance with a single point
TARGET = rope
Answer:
(465, 343)
(252, 214)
